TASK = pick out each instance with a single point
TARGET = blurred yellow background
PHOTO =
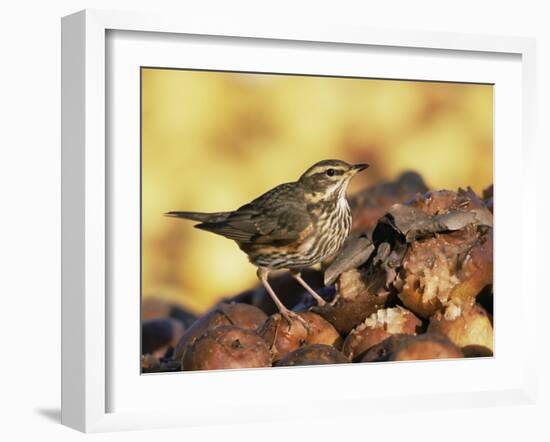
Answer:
(212, 141)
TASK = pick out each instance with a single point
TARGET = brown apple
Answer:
(466, 327)
(227, 347)
(314, 354)
(282, 336)
(407, 347)
(378, 327)
(241, 315)
(359, 293)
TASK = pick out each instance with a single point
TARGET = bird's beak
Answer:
(359, 167)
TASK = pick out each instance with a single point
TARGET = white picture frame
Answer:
(90, 316)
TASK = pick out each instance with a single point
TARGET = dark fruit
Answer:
(281, 336)
(226, 347)
(359, 295)
(406, 347)
(158, 335)
(321, 331)
(315, 354)
(466, 327)
(244, 316)
(382, 351)
(378, 327)
(450, 268)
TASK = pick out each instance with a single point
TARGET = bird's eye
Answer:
(330, 172)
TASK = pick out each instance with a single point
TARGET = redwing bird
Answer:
(292, 226)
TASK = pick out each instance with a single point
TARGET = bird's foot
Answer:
(289, 315)
(320, 301)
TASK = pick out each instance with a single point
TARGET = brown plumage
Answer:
(292, 226)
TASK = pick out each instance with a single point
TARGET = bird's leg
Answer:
(298, 277)
(285, 312)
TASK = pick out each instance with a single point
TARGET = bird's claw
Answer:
(290, 315)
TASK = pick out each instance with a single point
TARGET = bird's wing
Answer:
(278, 215)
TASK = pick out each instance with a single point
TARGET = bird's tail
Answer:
(217, 217)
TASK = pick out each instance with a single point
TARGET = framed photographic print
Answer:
(250, 208)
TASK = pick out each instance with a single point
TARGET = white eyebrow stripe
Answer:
(320, 169)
